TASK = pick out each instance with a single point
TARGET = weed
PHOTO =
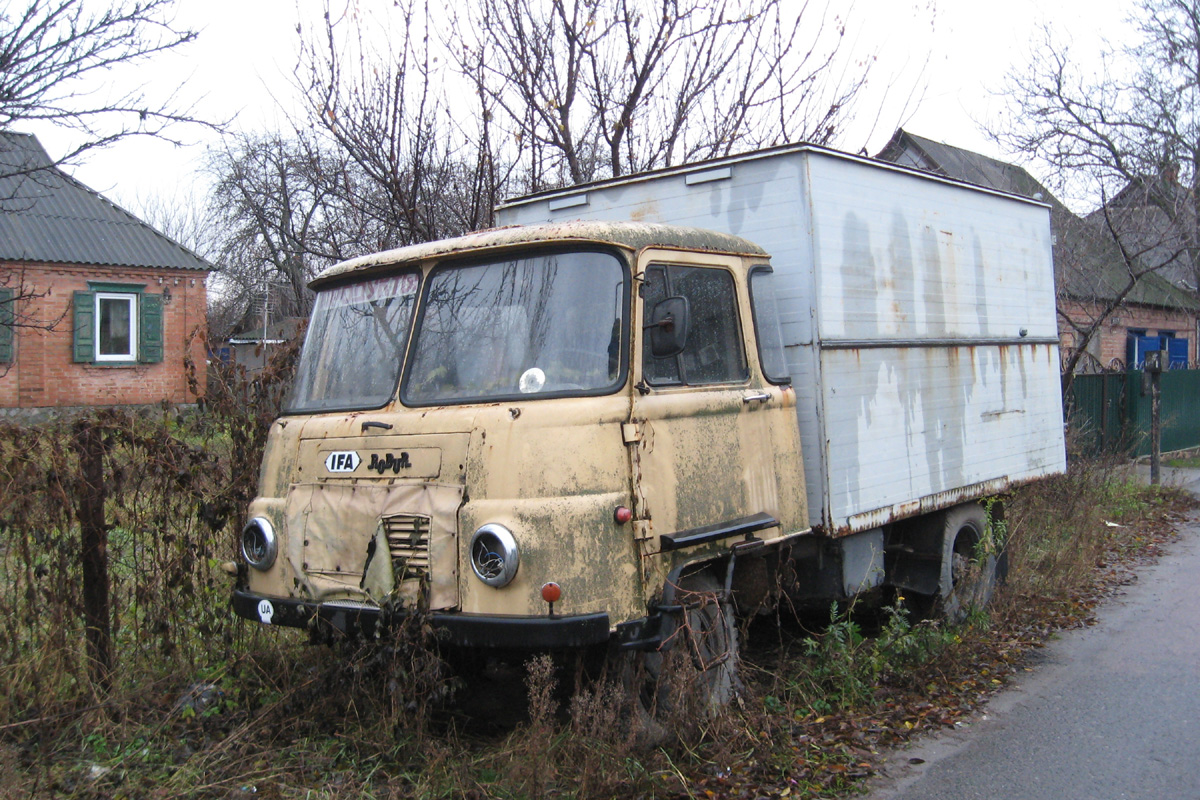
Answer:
(1184, 463)
(995, 533)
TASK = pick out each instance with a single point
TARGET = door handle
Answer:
(760, 397)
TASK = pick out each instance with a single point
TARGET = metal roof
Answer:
(46, 216)
(633, 235)
(282, 331)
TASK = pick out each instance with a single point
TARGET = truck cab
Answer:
(535, 435)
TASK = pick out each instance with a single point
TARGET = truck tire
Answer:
(699, 652)
(968, 574)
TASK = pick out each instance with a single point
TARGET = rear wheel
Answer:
(968, 569)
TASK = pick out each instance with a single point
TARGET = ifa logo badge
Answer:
(342, 461)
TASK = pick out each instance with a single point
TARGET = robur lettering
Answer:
(382, 465)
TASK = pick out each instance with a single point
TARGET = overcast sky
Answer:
(242, 62)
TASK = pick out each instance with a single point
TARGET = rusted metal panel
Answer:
(867, 520)
(762, 199)
(335, 531)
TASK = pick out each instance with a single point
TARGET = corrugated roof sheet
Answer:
(48, 216)
(282, 331)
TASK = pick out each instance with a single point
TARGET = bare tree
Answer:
(57, 61)
(398, 149)
(275, 202)
(419, 173)
(591, 89)
(183, 216)
(1130, 133)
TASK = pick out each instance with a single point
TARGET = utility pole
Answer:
(1154, 367)
(266, 309)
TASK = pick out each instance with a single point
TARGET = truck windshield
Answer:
(548, 324)
(355, 345)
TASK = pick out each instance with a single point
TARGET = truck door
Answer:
(711, 439)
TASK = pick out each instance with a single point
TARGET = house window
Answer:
(116, 321)
(117, 324)
(1175, 350)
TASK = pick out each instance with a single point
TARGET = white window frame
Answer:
(132, 300)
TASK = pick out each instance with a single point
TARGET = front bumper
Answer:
(464, 630)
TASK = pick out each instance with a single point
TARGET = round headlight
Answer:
(259, 545)
(494, 555)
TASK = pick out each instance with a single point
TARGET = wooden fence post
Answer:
(93, 531)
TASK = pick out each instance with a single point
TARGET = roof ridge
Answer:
(975, 153)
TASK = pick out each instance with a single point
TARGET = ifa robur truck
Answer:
(652, 402)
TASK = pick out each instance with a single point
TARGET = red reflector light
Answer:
(622, 515)
(551, 592)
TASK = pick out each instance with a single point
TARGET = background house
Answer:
(96, 307)
(1154, 315)
(1090, 270)
(1156, 215)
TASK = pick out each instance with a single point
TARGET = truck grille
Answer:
(408, 541)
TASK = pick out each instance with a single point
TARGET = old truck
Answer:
(652, 402)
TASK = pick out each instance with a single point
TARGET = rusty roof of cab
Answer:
(630, 235)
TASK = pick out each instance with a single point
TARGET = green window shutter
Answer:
(150, 329)
(7, 318)
(85, 327)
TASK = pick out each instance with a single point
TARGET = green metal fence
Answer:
(1112, 412)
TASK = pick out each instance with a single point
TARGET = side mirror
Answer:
(668, 327)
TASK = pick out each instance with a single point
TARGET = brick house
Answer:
(1089, 269)
(96, 307)
(1155, 314)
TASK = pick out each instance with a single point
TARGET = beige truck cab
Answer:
(538, 436)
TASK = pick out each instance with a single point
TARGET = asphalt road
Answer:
(1108, 712)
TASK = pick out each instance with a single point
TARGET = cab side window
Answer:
(767, 325)
(714, 352)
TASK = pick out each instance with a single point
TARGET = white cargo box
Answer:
(918, 314)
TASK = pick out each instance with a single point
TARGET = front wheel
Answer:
(698, 659)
